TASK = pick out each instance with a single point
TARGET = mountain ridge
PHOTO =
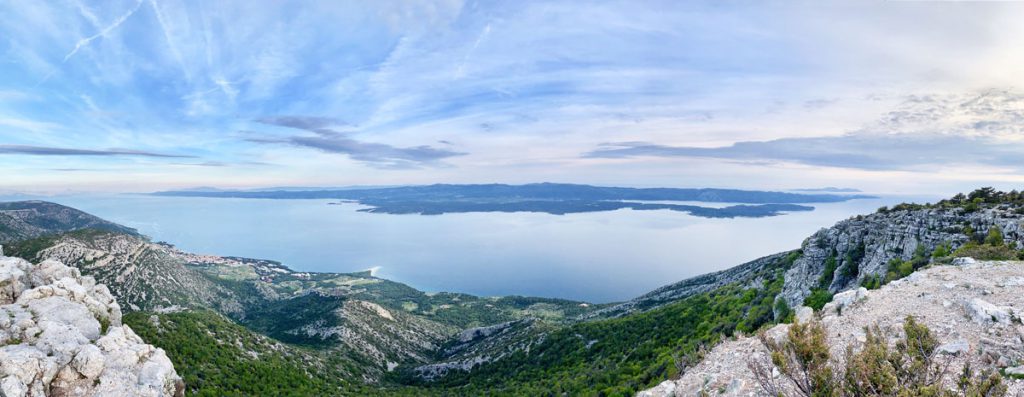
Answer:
(34, 218)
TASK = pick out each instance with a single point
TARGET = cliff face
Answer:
(868, 243)
(61, 335)
(974, 310)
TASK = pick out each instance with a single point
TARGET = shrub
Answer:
(783, 313)
(818, 298)
(803, 359)
(830, 272)
(942, 250)
(987, 252)
(872, 282)
(898, 269)
(908, 368)
(994, 237)
(991, 247)
(851, 269)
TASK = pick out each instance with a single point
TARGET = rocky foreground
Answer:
(975, 311)
(61, 335)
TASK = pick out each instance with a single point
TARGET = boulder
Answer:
(804, 314)
(983, 312)
(844, 299)
(958, 346)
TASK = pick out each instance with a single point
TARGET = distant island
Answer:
(829, 189)
(551, 198)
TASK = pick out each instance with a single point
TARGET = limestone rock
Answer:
(994, 342)
(983, 312)
(62, 335)
(804, 314)
(867, 244)
(958, 346)
(844, 299)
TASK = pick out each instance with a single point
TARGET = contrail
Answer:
(102, 33)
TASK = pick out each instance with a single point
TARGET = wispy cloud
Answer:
(867, 152)
(922, 132)
(333, 141)
(59, 151)
(223, 163)
(308, 123)
(521, 85)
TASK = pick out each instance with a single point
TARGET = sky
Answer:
(888, 97)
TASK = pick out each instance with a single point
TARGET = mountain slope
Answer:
(143, 275)
(974, 311)
(620, 356)
(218, 357)
(21, 220)
(749, 274)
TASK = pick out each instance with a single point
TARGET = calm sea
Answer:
(597, 257)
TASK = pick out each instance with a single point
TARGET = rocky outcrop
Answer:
(974, 311)
(61, 335)
(862, 246)
(481, 345)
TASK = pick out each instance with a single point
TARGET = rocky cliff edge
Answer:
(975, 311)
(61, 335)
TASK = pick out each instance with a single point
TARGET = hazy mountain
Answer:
(829, 189)
(550, 198)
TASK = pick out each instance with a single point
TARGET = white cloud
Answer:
(518, 85)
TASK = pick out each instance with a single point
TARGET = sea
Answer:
(596, 257)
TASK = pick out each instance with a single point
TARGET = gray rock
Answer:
(53, 342)
(955, 347)
(1015, 371)
(11, 386)
(89, 361)
(804, 314)
(845, 299)
(983, 312)
(883, 237)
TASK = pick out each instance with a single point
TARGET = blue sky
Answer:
(156, 94)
